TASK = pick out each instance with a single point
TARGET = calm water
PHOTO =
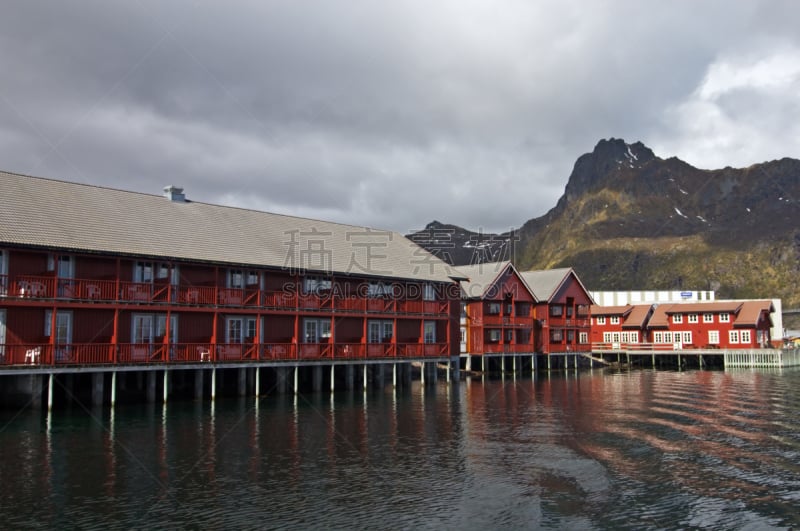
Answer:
(600, 450)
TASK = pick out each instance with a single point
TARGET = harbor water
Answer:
(582, 450)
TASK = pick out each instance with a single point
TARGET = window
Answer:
(658, 337)
(677, 318)
(509, 336)
(494, 335)
(614, 319)
(143, 272)
(556, 311)
(316, 285)
(316, 330)
(493, 308)
(744, 337)
(634, 337)
(693, 318)
(687, 338)
(3, 273)
(149, 327)
(616, 337)
(733, 336)
(429, 328)
(240, 329)
(601, 320)
(2, 333)
(556, 336)
(713, 337)
(725, 317)
(379, 289)
(606, 337)
(429, 293)
(583, 338)
(708, 317)
(380, 331)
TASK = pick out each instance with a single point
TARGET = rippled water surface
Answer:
(600, 450)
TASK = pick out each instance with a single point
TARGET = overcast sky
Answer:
(388, 113)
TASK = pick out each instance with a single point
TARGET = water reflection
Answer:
(593, 450)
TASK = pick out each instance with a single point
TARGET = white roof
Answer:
(77, 217)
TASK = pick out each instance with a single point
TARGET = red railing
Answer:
(47, 287)
(505, 320)
(500, 348)
(151, 353)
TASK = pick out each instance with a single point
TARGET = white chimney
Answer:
(174, 193)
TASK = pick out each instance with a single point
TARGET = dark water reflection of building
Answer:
(632, 450)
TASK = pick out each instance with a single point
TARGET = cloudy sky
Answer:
(388, 113)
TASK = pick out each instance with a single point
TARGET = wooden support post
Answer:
(50, 382)
(296, 378)
(333, 377)
(213, 383)
(258, 382)
(166, 385)
(113, 388)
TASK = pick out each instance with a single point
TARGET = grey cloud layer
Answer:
(388, 114)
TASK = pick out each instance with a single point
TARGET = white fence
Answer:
(761, 358)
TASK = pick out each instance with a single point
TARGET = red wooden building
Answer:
(620, 327)
(563, 310)
(499, 306)
(91, 275)
(721, 324)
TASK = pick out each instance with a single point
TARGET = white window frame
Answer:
(677, 318)
(686, 338)
(692, 318)
(156, 324)
(63, 326)
(238, 328)
(733, 337)
(583, 338)
(315, 285)
(745, 337)
(708, 317)
(314, 330)
(614, 320)
(606, 337)
(725, 317)
(601, 319)
(429, 331)
(429, 292)
(658, 337)
(713, 337)
(377, 290)
(3, 271)
(634, 337)
(2, 334)
(380, 330)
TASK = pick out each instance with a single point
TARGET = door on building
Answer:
(62, 337)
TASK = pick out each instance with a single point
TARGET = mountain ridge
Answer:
(629, 219)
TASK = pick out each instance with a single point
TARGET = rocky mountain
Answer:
(631, 220)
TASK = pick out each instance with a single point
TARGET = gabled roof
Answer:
(622, 311)
(745, 313)
(750, 314)
(638, 316)
(545, 283)
(483, 277)
(75, 217)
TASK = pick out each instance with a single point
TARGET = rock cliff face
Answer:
(631, 220)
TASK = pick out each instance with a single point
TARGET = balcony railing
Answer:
(507, 321)
(76, 354)
(501, 348)
(112, 291)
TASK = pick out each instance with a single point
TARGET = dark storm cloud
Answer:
(387, 114)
